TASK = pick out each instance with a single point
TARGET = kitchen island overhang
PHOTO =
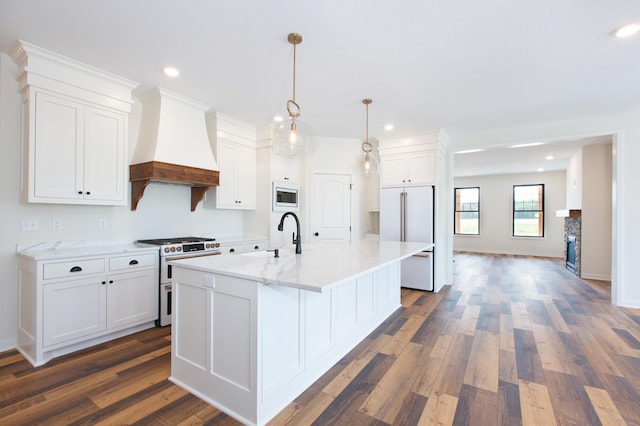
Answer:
(251, 332)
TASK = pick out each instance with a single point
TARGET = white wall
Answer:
(574, 182)
(496, 219)
(596, 212)
(164, 211)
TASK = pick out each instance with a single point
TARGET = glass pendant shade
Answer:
(368, 164)
(293, 138)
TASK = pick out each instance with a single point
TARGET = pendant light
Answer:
(292, 137)
(369, 163)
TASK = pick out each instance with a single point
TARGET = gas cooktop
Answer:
(179, 240)
(182, 244)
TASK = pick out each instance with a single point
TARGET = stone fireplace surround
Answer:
(572, 226)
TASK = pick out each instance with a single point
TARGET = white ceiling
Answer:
(501, 160)
(427, 64)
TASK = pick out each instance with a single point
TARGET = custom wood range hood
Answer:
(200, 180)
(173, 146)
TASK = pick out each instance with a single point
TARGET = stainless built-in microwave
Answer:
(286, 196)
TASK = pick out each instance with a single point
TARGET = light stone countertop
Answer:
(321, 266)
(52, 251)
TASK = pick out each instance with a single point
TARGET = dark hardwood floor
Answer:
(515, 340)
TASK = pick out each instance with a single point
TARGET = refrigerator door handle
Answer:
(404, 218)
(401, 215)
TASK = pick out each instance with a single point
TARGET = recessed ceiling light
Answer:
(278, 118)
(388, 127)
(522, 145)
(540, 169)
(549, 157)
(171, 71)
(627, 30)
(469, 151)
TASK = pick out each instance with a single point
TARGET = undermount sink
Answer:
(261, 253)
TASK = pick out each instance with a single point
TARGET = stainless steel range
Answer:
(172, 249)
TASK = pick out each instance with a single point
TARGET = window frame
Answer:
(540, 211)
(456, 211)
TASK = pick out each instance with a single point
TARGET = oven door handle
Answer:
(211, 253)
(187, 256)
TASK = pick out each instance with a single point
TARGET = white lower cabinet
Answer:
(67, 304)
(243, 246)
(128, 298)
(73, 310)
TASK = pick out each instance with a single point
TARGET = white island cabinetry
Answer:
(68, 302)
(251, 332)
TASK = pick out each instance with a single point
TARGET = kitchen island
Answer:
(252, 331)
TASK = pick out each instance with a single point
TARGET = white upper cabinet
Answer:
(408, 169)
(75, 121)
(234, 145)
(237, 189)
(284, 168)
(78, 153)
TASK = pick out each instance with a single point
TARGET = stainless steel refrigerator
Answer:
(406, 214)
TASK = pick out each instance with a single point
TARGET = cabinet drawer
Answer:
(255, 246)
(72, 268)
(132, 261)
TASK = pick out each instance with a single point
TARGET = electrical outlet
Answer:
(30, 224)
(102, 223)
(56, 224)
(209, 281)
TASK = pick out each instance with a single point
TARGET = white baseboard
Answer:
(498, 252)
(598, 277)
(635, 304)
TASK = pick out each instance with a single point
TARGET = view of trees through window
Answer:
(467, 211)
(528, 210)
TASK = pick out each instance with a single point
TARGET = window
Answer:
(467, 211)
(528, 210)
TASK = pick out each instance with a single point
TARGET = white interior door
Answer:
(331, 207)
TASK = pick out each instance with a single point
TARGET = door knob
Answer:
(315, 234)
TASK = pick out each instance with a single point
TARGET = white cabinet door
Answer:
(104, 157)
(131, 298)
(411, 169)
(393, 170)
(57, 150)
(226, 191)
(245, 167)
(285, 168)
(421, 168)
(73, 309)
(78, 153)
(237, 189)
